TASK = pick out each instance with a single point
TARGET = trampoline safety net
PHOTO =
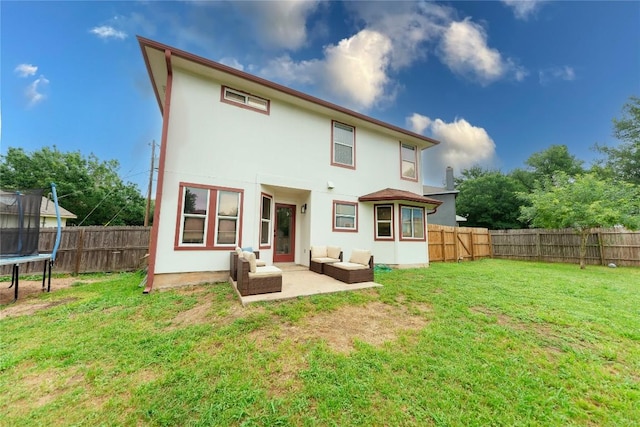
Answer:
(19, 222)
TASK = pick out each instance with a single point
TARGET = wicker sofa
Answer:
(233, 262)
(321, 255)
(253, 280)
(358, 269)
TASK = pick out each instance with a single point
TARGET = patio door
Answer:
(284, 233)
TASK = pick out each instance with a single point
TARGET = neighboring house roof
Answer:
(428, 190)
(392, 194)
(460, 218)
(160, 60)
(47, 208)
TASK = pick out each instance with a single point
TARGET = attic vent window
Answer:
(245, 100)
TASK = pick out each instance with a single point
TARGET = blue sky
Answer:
(494, 81)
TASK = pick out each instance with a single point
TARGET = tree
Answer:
(556, 158)
(488, 199)
(623, 162)
(88, 187)
(583, 203)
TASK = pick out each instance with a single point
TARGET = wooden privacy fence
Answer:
(458, 243)
(604, 246)
(92, 249)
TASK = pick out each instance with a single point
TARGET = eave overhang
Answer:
(392, 195)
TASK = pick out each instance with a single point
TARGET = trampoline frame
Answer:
(49, 259)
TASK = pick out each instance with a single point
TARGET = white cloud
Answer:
(108, 32)
(418, 123)
(26, 70)
(353, 72)
(356, 69)
(523, 9)
(565, 73)
(410, 26)
(34, 92)
(464, 50)
(462, 145)
(280, 24)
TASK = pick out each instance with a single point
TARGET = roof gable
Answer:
(160, 60)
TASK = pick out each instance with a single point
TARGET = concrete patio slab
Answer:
(298, 281)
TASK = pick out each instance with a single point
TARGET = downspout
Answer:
(153, 246)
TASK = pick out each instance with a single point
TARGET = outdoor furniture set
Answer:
(328, 260)
(252, 278)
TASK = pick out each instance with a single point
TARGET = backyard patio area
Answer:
(298, 280)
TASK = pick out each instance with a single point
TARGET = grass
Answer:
(490, 342)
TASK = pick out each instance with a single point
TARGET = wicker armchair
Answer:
(354, 271)
(233, 263)
(265, 279)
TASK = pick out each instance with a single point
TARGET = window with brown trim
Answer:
(409, 162)
(411, 223)
(244, 100)
(265, 221)
(384, 222)
(208, 217)
(343, 145)
(345, 216)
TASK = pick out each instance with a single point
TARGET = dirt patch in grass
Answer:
(374, 323)
(24, 308)
(30, 289)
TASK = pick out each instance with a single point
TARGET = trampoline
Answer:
(20, 233)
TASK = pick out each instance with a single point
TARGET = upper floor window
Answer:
(245, 100)
(343, 145)
(209, 217)
(412, 223)
(345, 216)
(384, 222)
(265, 222)
(409, 161)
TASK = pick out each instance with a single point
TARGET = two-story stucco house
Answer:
(251, 163)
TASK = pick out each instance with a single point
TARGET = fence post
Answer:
(444, 244)
(79, 250)
(456, 252)
(538, 249)
(490, 244)
(473, 244)
(600, 247)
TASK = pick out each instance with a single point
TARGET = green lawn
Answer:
(490, 342)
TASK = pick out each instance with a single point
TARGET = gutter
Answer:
(153, 246)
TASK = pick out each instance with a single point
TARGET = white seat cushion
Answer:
(268, 271)
(251, 257)
(318, 251)
(260, 263)
(325, 260)
(333, 252)
(360, 256)
(350, 266)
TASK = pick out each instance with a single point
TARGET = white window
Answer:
(344, 140)
(409, 161)
(384, 222)
(209, 217)
(195, 203)
(265, 222)
(412, 223)
(244, 99)
(227, 217)
(345, 216)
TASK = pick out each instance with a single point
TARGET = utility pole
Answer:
(148, 208)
